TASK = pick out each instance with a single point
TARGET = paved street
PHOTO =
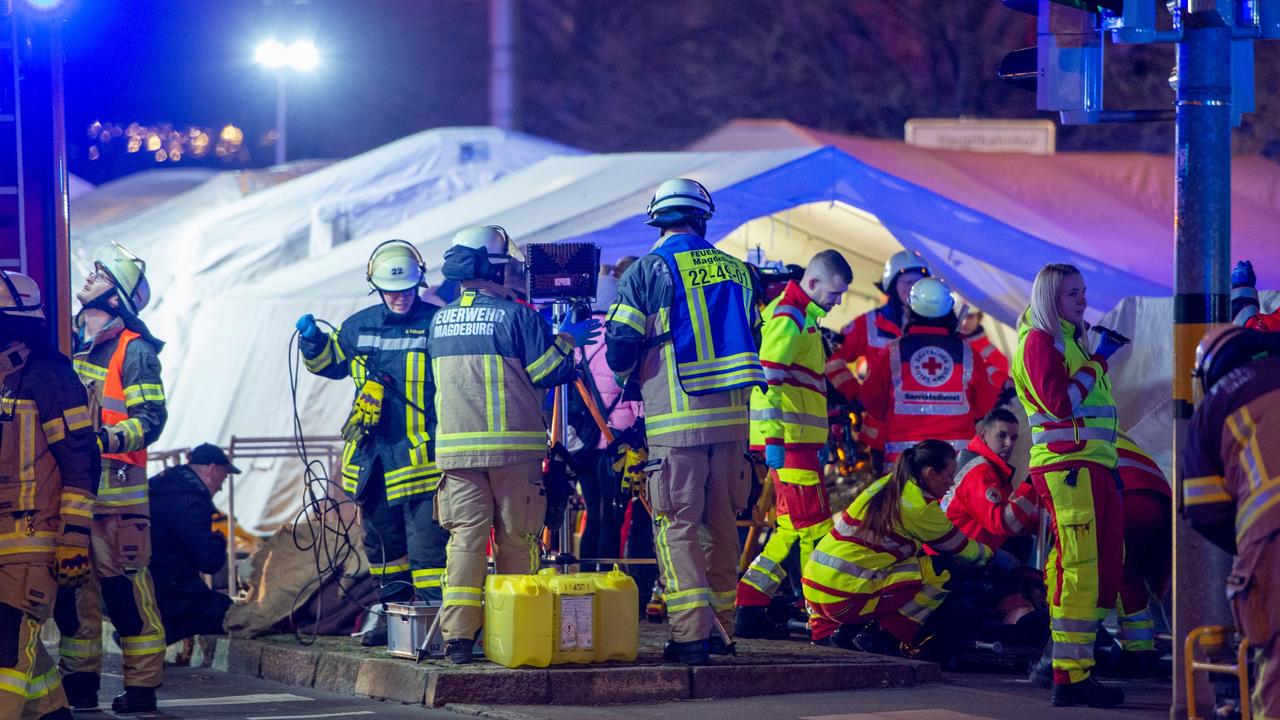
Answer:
(201, 694)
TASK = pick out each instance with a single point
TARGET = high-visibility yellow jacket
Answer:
(793, 411)
(850, 561)
(1067, 396)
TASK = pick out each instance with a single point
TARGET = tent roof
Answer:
(600, 198)
(1116, 207)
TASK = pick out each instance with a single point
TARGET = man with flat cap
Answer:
(184, 544)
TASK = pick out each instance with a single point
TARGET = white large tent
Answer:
(808, 199)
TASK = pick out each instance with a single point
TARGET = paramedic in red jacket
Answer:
(929, 383)
(983, 504)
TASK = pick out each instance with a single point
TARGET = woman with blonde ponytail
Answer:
(870, 568)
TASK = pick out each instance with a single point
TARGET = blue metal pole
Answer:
(1202, 264)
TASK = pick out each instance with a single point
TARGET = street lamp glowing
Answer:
(298, 55)
(303, 55)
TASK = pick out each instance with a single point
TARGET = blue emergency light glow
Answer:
(44, 5)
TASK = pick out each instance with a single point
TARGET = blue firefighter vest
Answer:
(710, 317)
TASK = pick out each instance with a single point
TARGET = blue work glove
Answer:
(775, 456)
(582, 332)
(1003, 560)
(1242, 275)
(307, 327)
(1107, 346)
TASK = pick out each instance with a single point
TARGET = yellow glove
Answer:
(630, 467)
(366, 411)
(71, 564)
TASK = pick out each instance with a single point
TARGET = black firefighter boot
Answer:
(693, 652)
(59, 714)
(134, 699)
(1087, 692)
(754, 622)
(81, 689)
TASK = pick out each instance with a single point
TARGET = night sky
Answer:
(388, 68)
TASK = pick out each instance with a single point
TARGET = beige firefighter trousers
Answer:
(30, 685)
(697, 493)
(121, 550)
(509, 499)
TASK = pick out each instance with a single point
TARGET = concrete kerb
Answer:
(341, 666)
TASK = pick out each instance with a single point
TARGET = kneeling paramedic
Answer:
(48, 471)
(387, 457)
(1228, 495)
(871, 569)
(684, 327)
(789, 425)
(117, 360)
(498, 356)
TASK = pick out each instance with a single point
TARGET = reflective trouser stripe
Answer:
(462, 596)
(722, 601)
(32, 686)
(141, 644)
(1138, 631)
(73, 647)
(1084, 566)
(765, 574)
(428, 577)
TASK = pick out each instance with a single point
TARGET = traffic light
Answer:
(1065, 66)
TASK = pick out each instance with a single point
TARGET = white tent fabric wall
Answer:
(132, 194)
(1142, 374)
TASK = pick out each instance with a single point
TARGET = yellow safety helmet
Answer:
(128, 273)
(395, 266)
(19, 296)
(493, 240)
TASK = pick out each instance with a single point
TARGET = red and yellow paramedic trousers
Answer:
(804, 517)
(30, 685)
(1148, 558)
(120, 549)
(508, 500)
(1084, 567)
(913, 590)
(696, 494)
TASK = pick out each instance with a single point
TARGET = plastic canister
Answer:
(617, 623)
(574, 628)
(517, 620)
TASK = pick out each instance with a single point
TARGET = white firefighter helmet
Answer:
(19, 296)
(899, 263)
(395, 266)
(493, 240)
(931, 298)
(128, 273)
(689, 197)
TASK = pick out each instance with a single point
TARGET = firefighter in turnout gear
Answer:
(388, 463)
(117, 360)
(499, 356)
(869, 333)
(929, 383)
(789, 426)
(1229, 493)
(48, 470)
(1066, 392)
(871, 567)
(684, 329)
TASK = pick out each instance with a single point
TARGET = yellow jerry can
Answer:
(517, 620)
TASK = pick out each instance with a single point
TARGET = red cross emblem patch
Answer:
(931, 366)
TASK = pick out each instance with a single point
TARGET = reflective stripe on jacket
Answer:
(850, 561)
(793, 411)
(638, 326)
(495, 358)
(378, 344)
(710, 317)
(927, 384)
(1067, 397)
(983, 503)
(49, 461)
(1138, 470)
(864, 338)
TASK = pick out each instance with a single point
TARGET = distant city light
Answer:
(299, 55)
(166, 143)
